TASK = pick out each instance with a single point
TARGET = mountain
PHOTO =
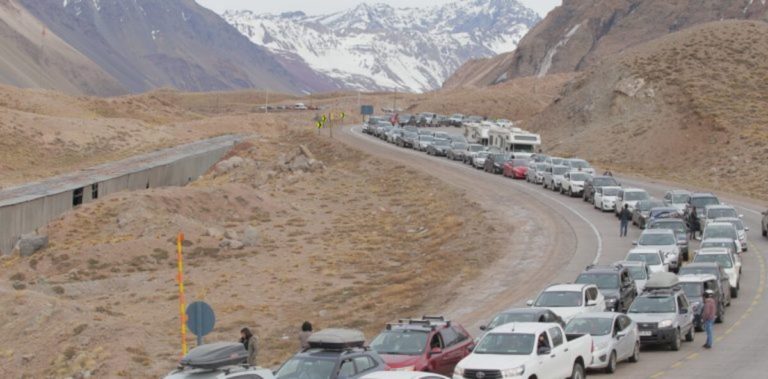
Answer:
(378, 47)
(146, 44)
(580, 33)
(33, 57)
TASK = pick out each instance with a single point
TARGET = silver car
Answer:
(663, 240)
(741, 229)
(677, 199)
(712, 212)
(554, 176)
(615, 337)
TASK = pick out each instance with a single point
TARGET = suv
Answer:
(653, 259)
(727, 260)
(521, 315)
(764, 224)
(630, 197)
(663, 313)
(677, 199)
(642, 213)
(614, 282)
(710, 268)
(713, 212)
(581, 165)
(553, 176)
(568, 300)
(699, 201)
(430, 344)
(595, 182)
(495, 163)
(665, 241)
(573, 183)
(678, 227)
(221, 360)
(333, 354)
(694, 287)
(741, 230)
(722, 230)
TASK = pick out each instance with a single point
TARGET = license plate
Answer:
(645, 333)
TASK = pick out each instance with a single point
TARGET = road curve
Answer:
(563, 235)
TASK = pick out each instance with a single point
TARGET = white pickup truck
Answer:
(527, 350)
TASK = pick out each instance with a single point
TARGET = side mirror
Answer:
(741, 216)
(529, 303)
(621, 334)
(544, 351)
(483, 327)
(746, 228)
(634, 243)
(684, 311)
(591, 303)
(436, 351)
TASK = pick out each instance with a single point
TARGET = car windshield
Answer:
(474, 148)
(506, 318)
(483, 154)
(541, 166)
(644, 206)
(650, 259)
(637, 273)
(653, 239)
(703, 201)
(499, 157)
(604, 182)
(658, 212)
(579, 164)
(688, 270)
(459, 145)
(441, 142)
(306, 368)
(559, 299)
(519, 162)
(693, 289)
(721, 212)
(400, 342)
(595, 326)
(720, 231)
(723, 259)
(610, 191)
(635, 195)
(653, 304)
(602, 281)
(725, 244)
(506, 343)
(674, 225)
(680, 198)
(559, 170)
(426, 138)
(579, 177)
(557, 161)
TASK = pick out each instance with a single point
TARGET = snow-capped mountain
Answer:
(378, 47)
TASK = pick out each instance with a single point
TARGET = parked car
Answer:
(521, 315)
(581, 165)
(404, 375)
(615, 338)
(663, 240)
(541, 169)
(478, 161)
(713, 212)
(424, 142)
(568, 300)
(516, 168)
(653, 258)
(764, 224)
(642, 213)
(431, 344)
(438, 147)
(573, 183)
(494, 164)
(408, 139)
(677, 199)
(554, 161)
(553, 175)
(722, 230)
(530, 350)
(694, 287)
(726, 243)
(711, 268)
(741, 230)
(679, 227)
(604, 198)
(456, 150)
(614, 282)
(333, 354)
(467, 155)
(219, 360)
(595, 182)
(530, 174)
(629, 197)
(727, 261)
(699, 201)
(456, 119)
(663, 314)
(639, 272)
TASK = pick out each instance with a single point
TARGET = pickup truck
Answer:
(528, 350)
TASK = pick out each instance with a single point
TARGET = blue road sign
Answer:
(200, 319)
(366, 110)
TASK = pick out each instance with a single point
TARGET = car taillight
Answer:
(593, 346)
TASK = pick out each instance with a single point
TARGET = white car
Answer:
(727, 260)
(218, 360)
(403, 375)
(663, 240)
(615, 338)
(653, 258)
(423, 143)
(630, 197)
(722, 230)
(579, 165)
(715, 211)
(226, 372)
(478, 161)
(677, 199)
(527, 350)
(741, 229)
(573, 183)
(605, 198)
(568, 300)
(554, 176)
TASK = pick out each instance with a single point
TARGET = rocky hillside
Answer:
(580, 33)
(378, 47)
(689, 106)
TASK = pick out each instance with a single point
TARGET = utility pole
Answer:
(266, 100)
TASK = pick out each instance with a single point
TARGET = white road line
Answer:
(355, 131)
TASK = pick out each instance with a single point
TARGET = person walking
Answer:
(708, 316)
(624, 216)
(693, 223)
(250, 342)
(306, 331)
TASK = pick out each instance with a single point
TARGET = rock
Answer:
(27, 358)
(231, 234)
(250, 236)
(19, 286)
(228, 165)
(231, 244)
(31, 243)
(214, 233)
(630, 86)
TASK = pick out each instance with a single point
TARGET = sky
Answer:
(329, 6)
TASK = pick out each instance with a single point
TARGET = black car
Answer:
(456, 150)
(597, 181)
(641, 214)
(438, 147)
(495, 163)
(614, 282)
(333, 354)
(406, 139)
(522, 315)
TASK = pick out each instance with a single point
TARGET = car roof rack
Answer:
(337, 339)
(429, 322)
(611, 266)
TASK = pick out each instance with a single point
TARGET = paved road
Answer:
(574, 235)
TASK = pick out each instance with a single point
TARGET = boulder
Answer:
(250, 236)
(231, 234)
(214, 233)
(228, 165)
(231, 244)
(31, 243)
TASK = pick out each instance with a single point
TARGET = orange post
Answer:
(182, 306)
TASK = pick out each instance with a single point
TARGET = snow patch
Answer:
(546, 63)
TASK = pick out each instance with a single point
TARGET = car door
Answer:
(452, 352)
(597, 197)
(592, 295)
(438, 361)
(626, 337)
(684, 314)
(628, 289)
(559, 350)
(548, 367)
(347, 369)
(363, 365)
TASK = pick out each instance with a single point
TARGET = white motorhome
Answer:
(514, 139)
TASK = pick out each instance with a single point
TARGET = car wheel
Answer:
(570, 192)
(578, 371)
(765, 232)
(720, 317)
(735, 293)
(690, 336)
(611, 368)
(676, 343)
(635, 354)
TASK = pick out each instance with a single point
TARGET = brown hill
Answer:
(580, 33)
(32, 56)
(689, 106)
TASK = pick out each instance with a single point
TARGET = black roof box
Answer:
(215, 355)
(337, 339)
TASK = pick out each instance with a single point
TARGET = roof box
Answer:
(662, 280)
(215, 355)
(337, 339)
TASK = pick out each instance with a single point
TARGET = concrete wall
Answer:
(27, 216)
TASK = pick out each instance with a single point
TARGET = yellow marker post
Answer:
(182, 306)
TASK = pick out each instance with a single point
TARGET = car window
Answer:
(592, 293)
(347, 369)
(450, 337)
(364, 363)
(437, 341)
(461, 335)
(557, 336)
(680, 304)
(624, 322)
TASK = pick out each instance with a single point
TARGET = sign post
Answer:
(180, 281)
(200, 319)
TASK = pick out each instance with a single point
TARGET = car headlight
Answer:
(458, 371)
(512, 372)
(406, 368)
(665, 324)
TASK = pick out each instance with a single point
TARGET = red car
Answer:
(430, 344)
(516, 168)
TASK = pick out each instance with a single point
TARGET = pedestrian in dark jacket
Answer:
(624, 216)
(693, 223)
(708, 316)
(250, 342)
(306, 331)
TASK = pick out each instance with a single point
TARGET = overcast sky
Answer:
(330, 6)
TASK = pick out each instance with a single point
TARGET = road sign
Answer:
(366, 110)
(200, 319)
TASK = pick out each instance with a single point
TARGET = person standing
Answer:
(306, 331)
(694, 223)
(708, 316)
(250, 342)
(624, 217)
